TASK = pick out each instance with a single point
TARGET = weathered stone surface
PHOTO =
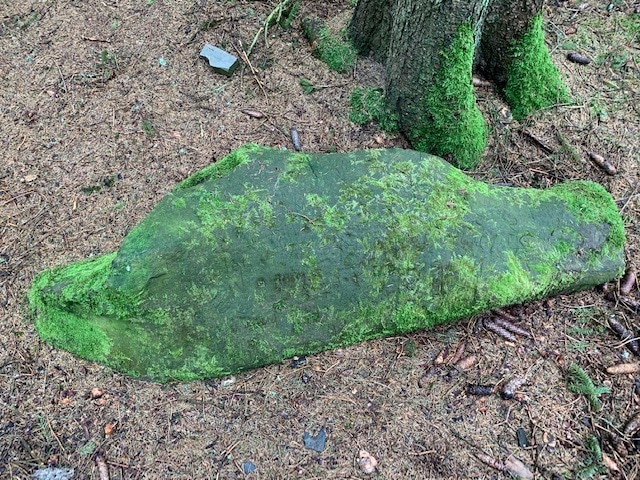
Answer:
(270, 254)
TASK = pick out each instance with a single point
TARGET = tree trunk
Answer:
(428, 48)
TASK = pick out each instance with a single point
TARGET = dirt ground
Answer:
(106, 105)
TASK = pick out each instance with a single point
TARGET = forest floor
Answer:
(105, 106)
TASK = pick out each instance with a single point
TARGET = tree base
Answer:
(452, 126)
(533, 80)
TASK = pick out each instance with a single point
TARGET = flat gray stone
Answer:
(221, 61)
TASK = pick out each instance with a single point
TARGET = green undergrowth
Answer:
(453, 126)
(580, 382)
(368, 104)
(533, 81)
(336, 52)
(332, 48)
(592, 464)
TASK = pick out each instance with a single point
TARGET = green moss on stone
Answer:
(533, 81)
(254, 268)
(590, 203)
(221, 167)
(73, 329)
(298, 164)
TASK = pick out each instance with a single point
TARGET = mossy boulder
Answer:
(269, 254)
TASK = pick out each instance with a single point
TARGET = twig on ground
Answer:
(103, 469)
(537, 142)
(245, 58)
(274, 17)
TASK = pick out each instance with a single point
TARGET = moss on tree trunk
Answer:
(269, 254)
(429, 49)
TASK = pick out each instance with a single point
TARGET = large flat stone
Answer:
(270, 254)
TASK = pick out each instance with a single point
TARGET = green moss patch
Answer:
(332, 48)
(368, 104)
(453, 126)
(533, 81)
(276, 253)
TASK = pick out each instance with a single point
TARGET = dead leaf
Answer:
(367, 462)
(109, 429)
(466, 362)
(96, 393)
(608, 461)
(516, 468)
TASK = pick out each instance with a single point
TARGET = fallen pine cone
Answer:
(458, 354)
(441, 358)
(625, 335)
(604, 164)
(481, 390)
(504, 323)
(578, 58)
(623, 368)
(628, 281)
(633, 425)
(253, 113)
(497, 329)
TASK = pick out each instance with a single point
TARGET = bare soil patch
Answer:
(105, 106)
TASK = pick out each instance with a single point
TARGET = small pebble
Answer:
(297, 362)
(523, 441)
(248, 467)
(367, 462)
(316, 443)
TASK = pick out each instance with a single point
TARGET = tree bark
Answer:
(505, 22)
(410, 36)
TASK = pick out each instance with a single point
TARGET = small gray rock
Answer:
(51, 473)
(316, 443)
(221, 61)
